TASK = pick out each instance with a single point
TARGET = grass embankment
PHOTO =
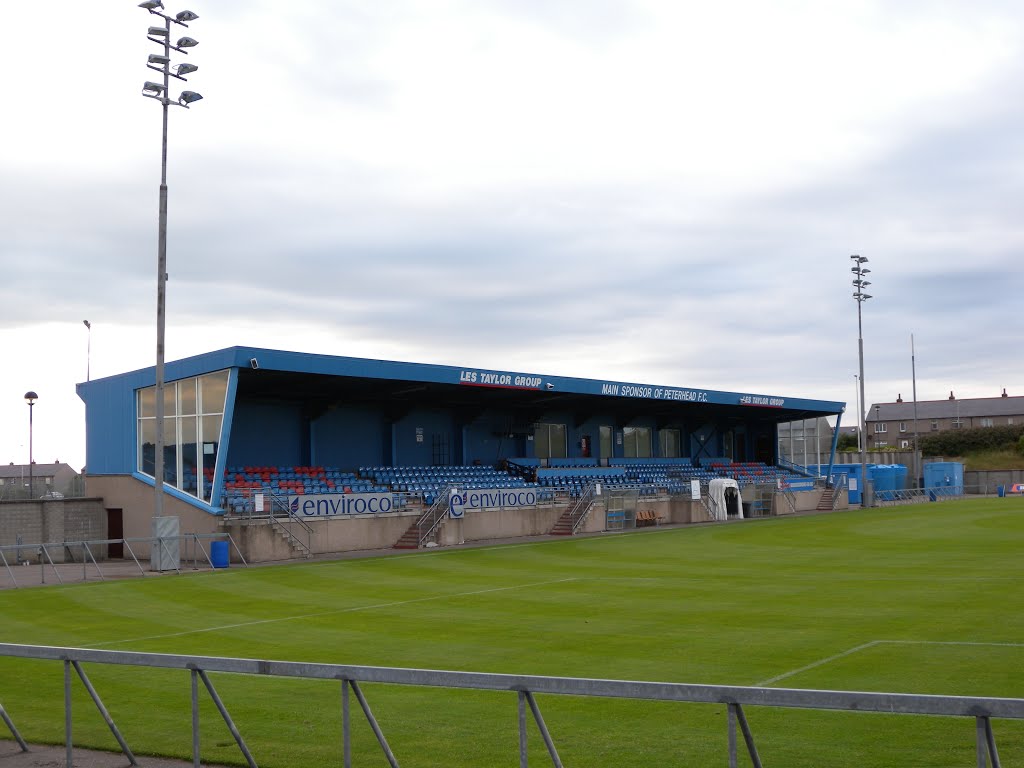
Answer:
(996, 459)
(916, 599)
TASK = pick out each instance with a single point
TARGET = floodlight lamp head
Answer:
(157, 32)
(152, 89)
(151, 5)
(188, 97)
(186, 42)
(184, 69)
(185, 16)
(156, 58)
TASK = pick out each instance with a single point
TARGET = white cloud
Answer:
(645, 190)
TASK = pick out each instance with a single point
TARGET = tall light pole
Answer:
(859, 284)
(88, 348)
(30, 398)
(913, 376)
(856, 396)
(161, 35)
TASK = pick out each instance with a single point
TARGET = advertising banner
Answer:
(490, 498)
(335, 504)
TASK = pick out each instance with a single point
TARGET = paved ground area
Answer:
(11, 756)
(35, 575)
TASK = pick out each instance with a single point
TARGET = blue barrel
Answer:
(1001, 491)
(219, 554)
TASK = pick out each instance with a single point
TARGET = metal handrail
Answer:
(580, 507)
(431, 519)
(526, 687)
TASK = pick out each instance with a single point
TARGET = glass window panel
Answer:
(170, 396)
(187, 397)
(210, 449)
(189, 455)
(669, 443)
(541, 449)
(171, 451)
(606, 442)
(558, 441)
(147, 446)
(629, 442)
(643, 442)
(147, 402)
(214, 391)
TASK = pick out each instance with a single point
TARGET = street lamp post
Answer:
(30, 398)
(161, 35)
(859, 284)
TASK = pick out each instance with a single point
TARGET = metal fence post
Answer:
(346, 733)
(195, 717)
(69, 752)
(524, 756)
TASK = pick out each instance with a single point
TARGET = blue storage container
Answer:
(900, 479)
(944, 475)
(219, 554)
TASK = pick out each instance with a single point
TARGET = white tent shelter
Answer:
(723, 497)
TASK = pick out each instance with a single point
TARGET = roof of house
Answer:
(965, 408)
(38, 470)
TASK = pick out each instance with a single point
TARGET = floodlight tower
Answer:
(161, 62)
(859, 284)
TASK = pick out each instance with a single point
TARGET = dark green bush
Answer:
(959, 442)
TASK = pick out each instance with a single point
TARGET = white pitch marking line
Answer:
(353, 609)
(818, 663)
(871, 644)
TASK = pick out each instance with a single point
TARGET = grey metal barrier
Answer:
(526, 688)
(87, 554)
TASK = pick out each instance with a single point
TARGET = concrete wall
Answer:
(52, 521)
(986, 481)
(135, 498)
(481, 525)
(261, 541)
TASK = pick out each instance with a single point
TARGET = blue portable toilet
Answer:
(946, 476)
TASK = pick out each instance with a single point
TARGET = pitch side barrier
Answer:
(525, 687)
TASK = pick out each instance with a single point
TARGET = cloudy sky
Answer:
(659, 191)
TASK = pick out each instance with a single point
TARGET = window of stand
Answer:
(193, 417)
(549, 441)
(636, 442)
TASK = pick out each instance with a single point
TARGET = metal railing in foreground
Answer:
(526, 688)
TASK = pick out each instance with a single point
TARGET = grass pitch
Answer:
(924, 599)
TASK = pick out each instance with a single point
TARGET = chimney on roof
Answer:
(1004, 393)
(951, 397)
(899, 398)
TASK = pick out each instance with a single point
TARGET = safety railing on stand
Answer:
(431, 519)
(581, 505)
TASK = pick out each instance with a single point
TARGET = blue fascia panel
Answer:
(302, 362)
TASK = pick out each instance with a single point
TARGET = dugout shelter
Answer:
(246, 407)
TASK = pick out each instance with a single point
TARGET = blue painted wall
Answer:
(266, 434)
(351, 437)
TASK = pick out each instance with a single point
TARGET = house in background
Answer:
(893, 425)
(47, 479)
